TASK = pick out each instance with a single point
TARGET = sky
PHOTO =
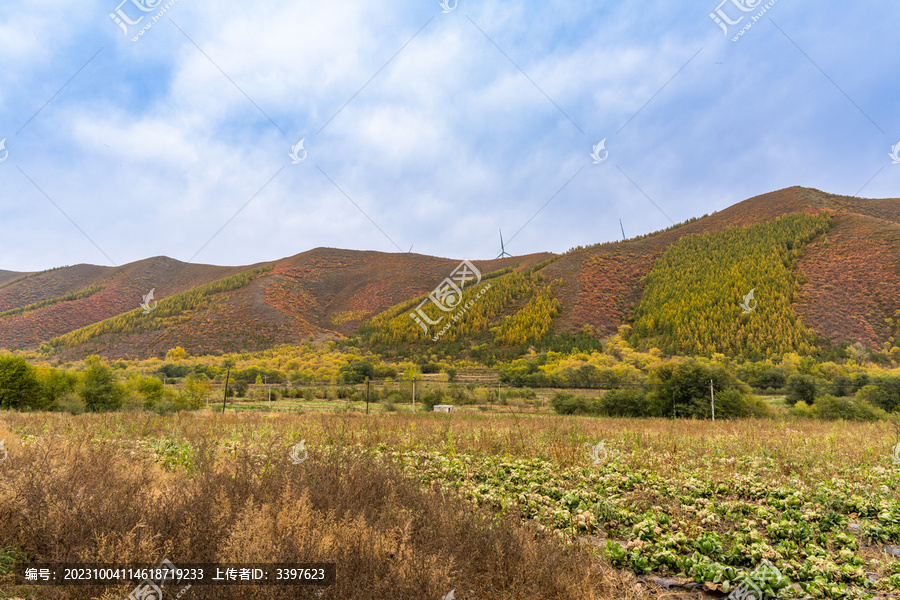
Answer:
(173, 127)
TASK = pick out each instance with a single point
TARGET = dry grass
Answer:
(198, 487)
(105, 489)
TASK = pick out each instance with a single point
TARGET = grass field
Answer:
(491, 505)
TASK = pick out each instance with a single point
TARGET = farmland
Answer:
(383, 496)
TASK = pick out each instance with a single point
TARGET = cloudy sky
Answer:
(172, 131)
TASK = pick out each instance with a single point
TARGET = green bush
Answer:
(883, 392)
(731, 403)
(830, 408)
(802, 409)
(625, 403)
(99, 387)
(19, 384)
(773, 377)
(151, 389)
(357, 372)
(390, 402)
(841, 385)
(800, 388)
(431, 398)
(385, 372)
(567, 403)
(56, 384)
(860, 380)
(683, 388)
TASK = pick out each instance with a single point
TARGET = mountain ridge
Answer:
(327, 293)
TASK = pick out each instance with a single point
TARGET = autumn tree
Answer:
(19, 384)
(99, 389)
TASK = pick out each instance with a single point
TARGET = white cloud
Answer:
(151, 149)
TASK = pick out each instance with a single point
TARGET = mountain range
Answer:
(847, 291)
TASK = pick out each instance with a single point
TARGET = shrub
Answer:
(860, 380)
(462, 395)
(800, 387)
(802, 409)
(731, 403)
(774, 377)
(151, 389)
(390, 402)
(625, 403)
(432, 397)
(19, 384)
(829, 407)
(71, 403)
(841, 385)
(197, 390)
(567, 403)
(609, 379)
(526, 393)
(99, 387)
(883, 392)
(55, 385)
(684, 388)
(356, 372)
(172, 371)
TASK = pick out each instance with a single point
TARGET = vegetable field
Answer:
(493, 506)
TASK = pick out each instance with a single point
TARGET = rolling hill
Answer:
(839, 283)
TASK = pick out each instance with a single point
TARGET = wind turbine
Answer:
(503, 251)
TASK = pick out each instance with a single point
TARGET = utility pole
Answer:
(712, 396)
(266, 382)
(227, 375)
(414, 393)
(367, 395)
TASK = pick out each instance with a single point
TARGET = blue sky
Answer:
(423, 128)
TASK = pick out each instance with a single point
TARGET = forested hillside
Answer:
(681, 288)
(508, 310)
(692, 301)
(165, 314)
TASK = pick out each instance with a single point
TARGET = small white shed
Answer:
(443, 408)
